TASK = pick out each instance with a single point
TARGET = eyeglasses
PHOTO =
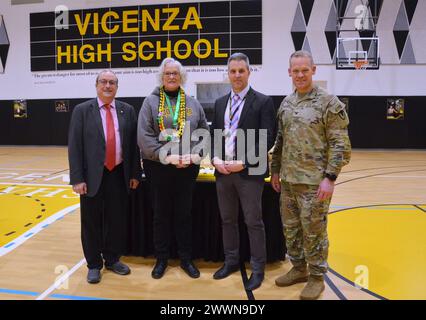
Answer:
(104, 82)
(169, 74)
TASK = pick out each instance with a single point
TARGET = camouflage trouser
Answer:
(305, 226)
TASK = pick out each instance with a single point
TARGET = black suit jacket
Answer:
(258, 113)
(86, 144)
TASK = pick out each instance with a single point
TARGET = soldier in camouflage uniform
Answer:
(311, 147)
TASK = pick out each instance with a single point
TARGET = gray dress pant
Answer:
(231, 190)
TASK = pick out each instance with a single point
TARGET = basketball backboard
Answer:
(357, 53)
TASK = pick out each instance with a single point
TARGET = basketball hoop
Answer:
(351, 54)
(360, 64)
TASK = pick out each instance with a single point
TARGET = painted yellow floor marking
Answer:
(23, 207)
(381, 248)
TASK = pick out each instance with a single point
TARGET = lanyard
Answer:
(175, 114)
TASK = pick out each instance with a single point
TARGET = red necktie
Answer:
(110, 139)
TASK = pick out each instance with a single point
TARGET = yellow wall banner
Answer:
(204, 33)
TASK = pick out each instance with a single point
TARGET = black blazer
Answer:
(258, 113)
(86, 145)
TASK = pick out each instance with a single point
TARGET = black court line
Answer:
(366, 206)
(349, 281)
(57, 172)
(334, 288)
(354, 285)
(30, 197)
(377, 174)
(375, 205)
(378, 168)
(388, 160)
(330, 283)
(414, 205)
(250, 295)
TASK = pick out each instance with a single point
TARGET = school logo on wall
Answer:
(197, 34)
(4, 45)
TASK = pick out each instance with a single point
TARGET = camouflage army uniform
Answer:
(312, 140)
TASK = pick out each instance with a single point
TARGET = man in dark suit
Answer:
(104, 164)
(245, 121)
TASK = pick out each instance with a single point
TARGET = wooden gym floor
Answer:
(376, 229)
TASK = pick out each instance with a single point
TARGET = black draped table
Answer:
(206, 225)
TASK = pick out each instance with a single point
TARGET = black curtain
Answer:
(206, 228)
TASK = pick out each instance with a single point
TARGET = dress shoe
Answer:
(159, 269)
(190, 269)
(94, 276)
(225, 271)
(255, 281)
(119, 268)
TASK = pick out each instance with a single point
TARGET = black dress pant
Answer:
(103, 220)
(171, 192)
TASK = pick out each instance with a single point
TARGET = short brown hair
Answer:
(239, 56)
(301, 54)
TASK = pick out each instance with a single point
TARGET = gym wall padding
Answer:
(368, 127)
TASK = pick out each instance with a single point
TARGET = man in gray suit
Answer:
(104, 165)
(238, 179)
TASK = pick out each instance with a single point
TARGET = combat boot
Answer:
(313, 288)
(295, 275)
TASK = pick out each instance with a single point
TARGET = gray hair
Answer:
(301, 54)
(107, 71)
(175, 62)
(239, 56)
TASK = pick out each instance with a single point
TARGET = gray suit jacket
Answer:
(86, 144)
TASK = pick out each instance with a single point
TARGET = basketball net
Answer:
(360, 64)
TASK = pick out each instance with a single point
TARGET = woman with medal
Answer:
(170, 164)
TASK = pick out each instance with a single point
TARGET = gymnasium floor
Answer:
(376, 231)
